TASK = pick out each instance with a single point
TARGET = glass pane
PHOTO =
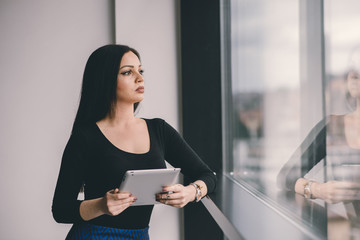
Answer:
(265, 88)
(295, 80)
(342, 38)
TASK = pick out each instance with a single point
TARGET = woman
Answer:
(335, 144)
(106, 141)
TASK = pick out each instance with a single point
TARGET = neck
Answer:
(357, 110)
(123, 114)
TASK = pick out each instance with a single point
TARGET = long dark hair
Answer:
(98, 92)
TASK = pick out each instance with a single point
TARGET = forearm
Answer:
(90, 209)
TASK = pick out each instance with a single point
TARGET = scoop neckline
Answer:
(121, 150)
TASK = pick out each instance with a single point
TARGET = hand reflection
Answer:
(337, 191)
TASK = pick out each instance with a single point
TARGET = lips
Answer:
(140, 89)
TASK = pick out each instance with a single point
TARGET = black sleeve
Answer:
(65, 206)
(311, 151)
(179, 154)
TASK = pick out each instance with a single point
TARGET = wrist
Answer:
(309, 192)
(198, 193)
(101, 205)
(192, 192)
(90, 209)
(299, 186)
(314, 191)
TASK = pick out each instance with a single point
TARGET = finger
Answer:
(120, 196)
(345, 191)
(116, 191)
(342, 195)
(354, 185)
(349, 185)
(178, 206)
(173, 188)
(164, 196)
(112, 191)
(173, 203)
(353, 194)
(120, 208)
(169, 198)
(126, 201)
(164, 201)
(176, 195)
(160, 196)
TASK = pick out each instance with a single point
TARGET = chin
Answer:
(138, 100)
(355, 94)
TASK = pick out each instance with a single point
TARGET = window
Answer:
(289, 112)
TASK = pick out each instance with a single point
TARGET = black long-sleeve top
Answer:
(326, 140)
(91, 159)
(311, 151)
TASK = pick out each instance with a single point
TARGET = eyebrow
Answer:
(132, 66)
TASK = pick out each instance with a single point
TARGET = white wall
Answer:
(44, 47)
(150, 27)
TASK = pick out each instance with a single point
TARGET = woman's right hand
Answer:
(115, 202)
(336, 191)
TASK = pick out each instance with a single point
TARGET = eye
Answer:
(141, 72)
(126, 73)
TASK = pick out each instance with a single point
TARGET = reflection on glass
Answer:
(273, 110)
(342, 41)
(343, 153)
(328, 160)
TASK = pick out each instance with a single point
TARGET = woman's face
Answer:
(130, 82)
(353, 84)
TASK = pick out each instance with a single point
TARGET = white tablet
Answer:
(144, 184)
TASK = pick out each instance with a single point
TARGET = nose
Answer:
(139, 77)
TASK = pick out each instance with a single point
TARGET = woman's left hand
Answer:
(177, 195)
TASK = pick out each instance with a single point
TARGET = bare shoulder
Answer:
(141, 124)
(140, 121)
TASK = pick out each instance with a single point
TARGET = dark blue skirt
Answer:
(92, 232)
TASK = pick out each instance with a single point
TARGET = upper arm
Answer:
(65, 205)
